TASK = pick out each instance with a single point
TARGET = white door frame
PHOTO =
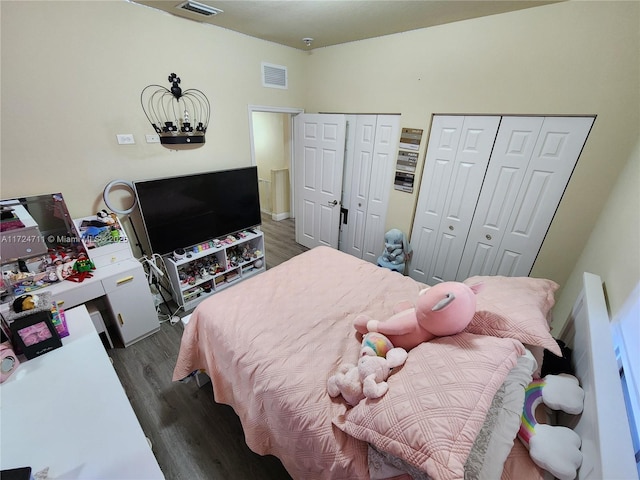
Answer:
(292, 111)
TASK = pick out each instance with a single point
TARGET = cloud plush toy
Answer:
(554, 448)
(444, 309)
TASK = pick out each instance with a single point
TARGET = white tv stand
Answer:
(196, 277)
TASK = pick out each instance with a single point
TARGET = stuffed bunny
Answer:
(368, 378)
(444, 309)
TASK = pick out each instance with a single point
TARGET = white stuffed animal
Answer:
(554, 448)
(368, 378)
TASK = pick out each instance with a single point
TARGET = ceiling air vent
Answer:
(274, 76)
(199, 8)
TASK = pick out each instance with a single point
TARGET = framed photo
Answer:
(35, 334)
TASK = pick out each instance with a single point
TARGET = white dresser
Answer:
(67, 410)
(124, 288)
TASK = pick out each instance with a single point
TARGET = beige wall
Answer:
(72, 73)
(271, 149)
(270, 141)
(566, 58)
(613, 248)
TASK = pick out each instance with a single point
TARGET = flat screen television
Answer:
(179, 212)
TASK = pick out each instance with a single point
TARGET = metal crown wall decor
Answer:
(179, 118)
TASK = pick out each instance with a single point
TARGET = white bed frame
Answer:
(603, 426)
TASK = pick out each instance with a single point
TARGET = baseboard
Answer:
(276, 217)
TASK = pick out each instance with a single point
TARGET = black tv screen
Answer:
(179, 212)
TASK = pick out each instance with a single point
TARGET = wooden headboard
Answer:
(603, 426)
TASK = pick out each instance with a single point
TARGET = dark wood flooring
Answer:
(192, 436)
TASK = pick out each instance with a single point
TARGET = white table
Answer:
(67, 410)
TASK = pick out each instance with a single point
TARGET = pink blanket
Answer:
(270, 343)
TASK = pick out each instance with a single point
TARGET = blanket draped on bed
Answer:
(270, 343)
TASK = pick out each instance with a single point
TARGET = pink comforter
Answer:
(270, 343)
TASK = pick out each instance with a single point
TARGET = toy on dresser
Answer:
(104, 239)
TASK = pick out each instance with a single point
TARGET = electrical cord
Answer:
(156, 273)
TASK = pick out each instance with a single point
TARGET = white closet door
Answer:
(387, 137)
(511, 155)
(372, 144)
(554, 157)
(454, 181)
(358, 165)
(441, 153)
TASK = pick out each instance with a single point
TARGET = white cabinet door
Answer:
(319, 159)
(441, 153)
(511, 155)
(454, 173)
(468, 223)
(131, 304)
(387, 138)
(372, 145)
(554, 157)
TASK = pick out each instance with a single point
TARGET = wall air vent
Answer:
(274, 76)
(199, 8)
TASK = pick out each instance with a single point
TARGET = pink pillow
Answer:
(515, 307)
(437, 402)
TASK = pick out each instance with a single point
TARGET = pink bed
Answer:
(270, 343)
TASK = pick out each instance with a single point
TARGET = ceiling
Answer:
(332, 22)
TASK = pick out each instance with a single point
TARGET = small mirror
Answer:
(37, 236)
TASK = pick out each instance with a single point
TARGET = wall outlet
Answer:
(125, 139)
(152, 138)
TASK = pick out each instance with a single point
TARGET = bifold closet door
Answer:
(458, 153)
(369, 164)
(530, 168)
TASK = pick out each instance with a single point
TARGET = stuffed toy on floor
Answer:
(441, 310)
(553, 448)
(396, 248)
(368, 378)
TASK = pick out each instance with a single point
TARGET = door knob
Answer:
(333, 204)
(488, 237)
(451, 227)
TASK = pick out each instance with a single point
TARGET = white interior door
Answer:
(319, 160)
(385, 149)
(554, 157)
(372, 145)
(359, 160)
(511, 155)
(441, 153)
(454, 175)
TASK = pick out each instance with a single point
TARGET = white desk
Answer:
(67, 410)
(125, 288)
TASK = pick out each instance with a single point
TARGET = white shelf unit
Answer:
(215, 265)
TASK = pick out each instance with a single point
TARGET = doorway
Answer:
(271, 143)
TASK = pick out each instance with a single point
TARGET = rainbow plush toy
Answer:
(374, 343)
(554, 448)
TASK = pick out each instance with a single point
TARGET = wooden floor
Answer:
(280, 241)
(192, 436)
